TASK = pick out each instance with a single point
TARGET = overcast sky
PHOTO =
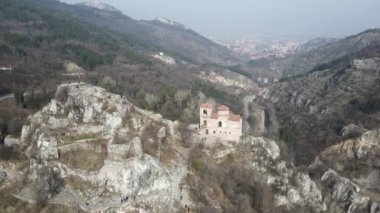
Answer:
(246, 18)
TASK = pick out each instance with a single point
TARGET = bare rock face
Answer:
(366, 64)
(348, 174)
(11, 141)
(106, 149)
(352, 130)
(348, 194)
(365, 146)
(47, 148)
(293, 187)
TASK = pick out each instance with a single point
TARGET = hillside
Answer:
(313, 109)
(318, 52)
(95, 151)
(176, 40)
(327, 122)
(314, 44)
(48, 43)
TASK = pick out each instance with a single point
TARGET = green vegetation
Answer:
(5, 50)
(22, 40)
(74, 138)
(290, 78)
(210, 91)
(237, 69)
(368, 106)
(85, 56)
(197, 166)
(132, 56)
(287, 135)
(251, 62)
(219, 95)
(345, 60)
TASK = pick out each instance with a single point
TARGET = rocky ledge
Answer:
(109, 153)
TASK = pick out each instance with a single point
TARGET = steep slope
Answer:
(306, 61)
(174, 39)
(109, 153)
(95, 151)
(314, 44)
(349, 174)
(98, 5)
(48, 43)
(313, 109)
(36, 39)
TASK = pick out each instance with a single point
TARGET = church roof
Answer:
(223, 108)
(233, 117)
(206, 105)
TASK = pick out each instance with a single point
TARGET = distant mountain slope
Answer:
(320, 52)
(175, 39)
(98, 5)
(40, 38)
(314, 44)
(312, 110)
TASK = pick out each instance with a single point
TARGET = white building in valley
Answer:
(219, 123)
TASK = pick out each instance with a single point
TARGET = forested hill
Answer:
(44, 40)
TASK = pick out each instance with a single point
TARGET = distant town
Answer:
(256, 48)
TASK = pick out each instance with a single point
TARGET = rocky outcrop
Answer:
(321, 108)
(366, 64)
(355, 149)
(352, 130)
(101, 141)
(228, 79)
(292, 187)
(11, 141)
(348, 174)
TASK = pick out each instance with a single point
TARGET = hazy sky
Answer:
(245, 18)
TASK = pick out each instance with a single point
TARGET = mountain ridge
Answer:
(98, 5)
(321, 53)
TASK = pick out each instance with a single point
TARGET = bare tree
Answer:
(50, 184)
(180, 96)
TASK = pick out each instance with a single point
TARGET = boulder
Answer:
(352, 130)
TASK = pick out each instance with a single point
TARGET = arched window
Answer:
(205, 112)
(220, 124)
(206, 131)
(204, 123)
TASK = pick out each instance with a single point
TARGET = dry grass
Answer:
(84, 159)
(78, 184)
(168, 155)
(10, 204)
(69, 139)
(150, 148)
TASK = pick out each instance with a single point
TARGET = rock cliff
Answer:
(110, 153)
(348, 174)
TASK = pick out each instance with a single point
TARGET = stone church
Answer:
(219, 123)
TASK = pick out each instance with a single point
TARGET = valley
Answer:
(101, 112)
